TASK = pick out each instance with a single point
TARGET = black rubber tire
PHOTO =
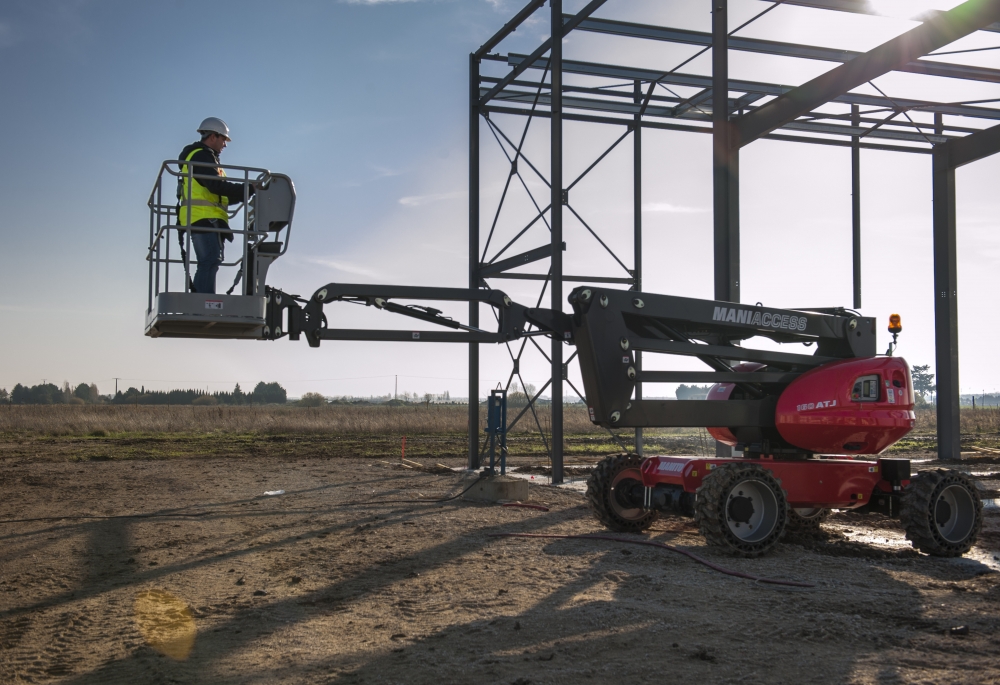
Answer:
(600, 494)
(811, 523)
(712, 515)
(922, 502)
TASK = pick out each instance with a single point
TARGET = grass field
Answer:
(98, 432)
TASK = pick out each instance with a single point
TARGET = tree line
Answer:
(49, 393)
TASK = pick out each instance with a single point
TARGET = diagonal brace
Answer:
(936, 32)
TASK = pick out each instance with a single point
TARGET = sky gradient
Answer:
(363, 104)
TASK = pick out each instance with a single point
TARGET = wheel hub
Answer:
(741, 509)
(751, 511)
(955, 514)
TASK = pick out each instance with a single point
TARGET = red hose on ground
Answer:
(653, 543)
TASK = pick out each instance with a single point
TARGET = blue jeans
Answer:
(209, 249)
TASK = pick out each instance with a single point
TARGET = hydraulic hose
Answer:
(670, 548)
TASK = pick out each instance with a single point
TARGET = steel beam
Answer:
(856, 205)
(508, 28)
(946, 306)
(865, 7)
(725, 166)
(666, 126)
(725, 175)
(637, 231)
(773, 47)
(946, 159)
(898, 52)
(756, 87)
(974, 147)
(473, 446)
(629, 108)
(492, 268)
(571, 22)
(556, 290)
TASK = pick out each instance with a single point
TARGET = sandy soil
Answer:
(228, 585)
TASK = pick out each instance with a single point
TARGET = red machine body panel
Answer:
(822, 411)
(830, 483)
(856, 406)
(722, 391)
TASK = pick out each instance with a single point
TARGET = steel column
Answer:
(856, 204)
(946, 306)
(473, 460)
(556, 179)
(725, 165)
(725, 174)
(637, 233)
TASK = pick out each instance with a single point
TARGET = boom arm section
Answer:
(307, 317)
(609, 326)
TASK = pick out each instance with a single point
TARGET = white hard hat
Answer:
(214, 125)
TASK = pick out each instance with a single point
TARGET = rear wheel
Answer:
(942, 513)
(611, 491)
(741, 507)
(806, 520)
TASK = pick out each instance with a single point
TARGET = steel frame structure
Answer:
(814, 112)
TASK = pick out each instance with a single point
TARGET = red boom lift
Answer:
(800, 424)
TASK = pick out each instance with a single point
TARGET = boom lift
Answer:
(800, 425)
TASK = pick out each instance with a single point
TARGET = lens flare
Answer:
(166, 623)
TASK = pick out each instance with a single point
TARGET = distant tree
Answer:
(95, 394)
(923, 382)
(4, 395)
(82, 392)
(312, 399)
(205, 401)
(268, 393)
(692, 392)
(46, 393)
(238, 396)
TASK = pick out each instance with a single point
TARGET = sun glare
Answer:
(910, 9)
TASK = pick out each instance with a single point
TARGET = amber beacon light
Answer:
(895, 324)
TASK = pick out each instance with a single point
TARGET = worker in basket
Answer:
(204, 201)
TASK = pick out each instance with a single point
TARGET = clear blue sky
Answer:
(363, 105)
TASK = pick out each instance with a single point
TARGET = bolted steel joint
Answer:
(604, 301)
(615, 416)
(585, 295)
(631, 372)
(321, 295)
(637, 303)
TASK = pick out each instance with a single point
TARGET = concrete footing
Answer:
(496, 488)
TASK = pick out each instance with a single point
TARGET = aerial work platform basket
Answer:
(173, 309)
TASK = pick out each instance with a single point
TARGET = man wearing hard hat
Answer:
(203, 201)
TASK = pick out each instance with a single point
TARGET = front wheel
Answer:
(611, 491)
(942, 513)
(741, 507)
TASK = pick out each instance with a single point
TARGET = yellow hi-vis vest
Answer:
(199, 203)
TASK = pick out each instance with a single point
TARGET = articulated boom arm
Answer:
(306, 317)
(609, 326)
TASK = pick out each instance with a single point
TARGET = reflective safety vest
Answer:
(204, 204)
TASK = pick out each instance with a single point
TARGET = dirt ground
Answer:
(326, 584)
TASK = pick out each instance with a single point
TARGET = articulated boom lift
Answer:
(799, 425)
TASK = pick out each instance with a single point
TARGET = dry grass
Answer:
(979, 420)
(102, 420)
